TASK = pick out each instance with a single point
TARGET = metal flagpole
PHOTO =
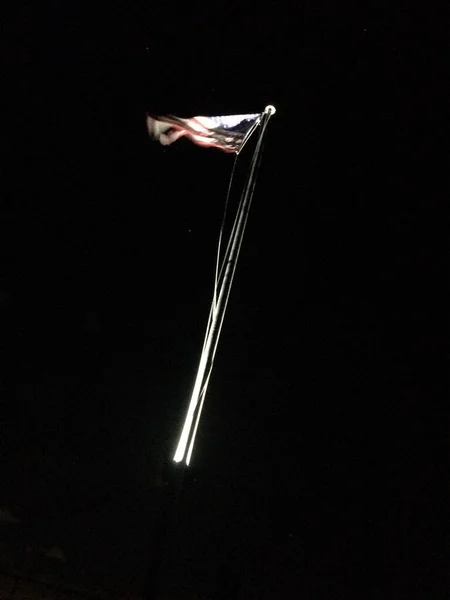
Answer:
(187, 438)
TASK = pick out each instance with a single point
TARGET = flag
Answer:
(226, 133)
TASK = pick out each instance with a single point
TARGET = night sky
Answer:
(316, 453)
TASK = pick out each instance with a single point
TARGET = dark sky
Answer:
(312, 467)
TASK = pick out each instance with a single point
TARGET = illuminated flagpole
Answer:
(187, 439)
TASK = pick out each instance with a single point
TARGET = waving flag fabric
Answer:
(226, 133)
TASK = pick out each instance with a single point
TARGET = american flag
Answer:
(226, 133)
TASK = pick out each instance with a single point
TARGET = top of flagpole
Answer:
(270, 109)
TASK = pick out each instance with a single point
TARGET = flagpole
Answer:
(187, 438)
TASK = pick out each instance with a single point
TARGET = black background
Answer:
(317, 455)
